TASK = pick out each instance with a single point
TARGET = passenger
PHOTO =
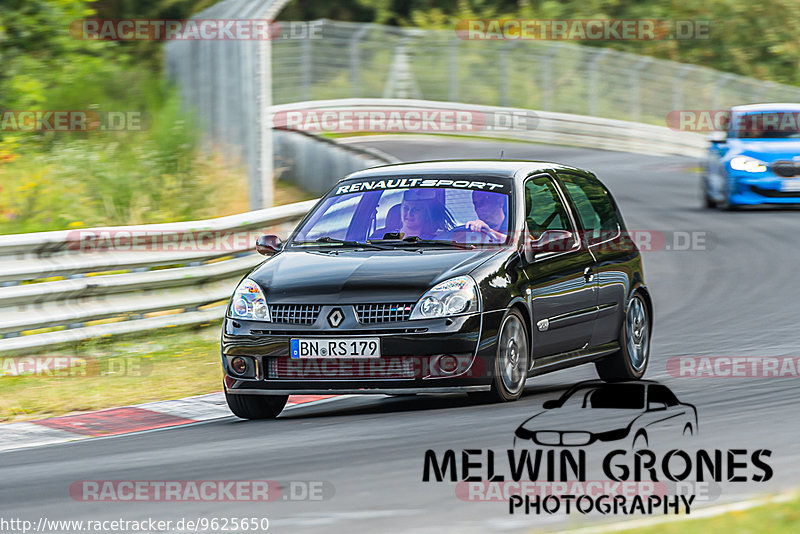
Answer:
(418, 216)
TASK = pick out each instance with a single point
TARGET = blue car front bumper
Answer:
(747, 189)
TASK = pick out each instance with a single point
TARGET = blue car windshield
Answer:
(765, 125)
(408, 215)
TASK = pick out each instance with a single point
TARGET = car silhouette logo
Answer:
(336, 317)
(641, 413)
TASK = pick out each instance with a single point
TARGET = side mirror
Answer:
(552, 403)
(656, 406)
(553, 241)
(268, 244)
(717, 136)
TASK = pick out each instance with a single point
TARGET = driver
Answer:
(491, 211)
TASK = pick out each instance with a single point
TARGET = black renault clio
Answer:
(440, 276)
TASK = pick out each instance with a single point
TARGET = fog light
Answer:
(239, 365)
(448, 364)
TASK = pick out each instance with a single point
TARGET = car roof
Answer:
(596, 382)
(490, 167)
(772, 106)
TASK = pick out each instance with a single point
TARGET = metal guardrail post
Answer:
(505, 72)
(594, 63)
(636, 89)
(677, 87)
(355, 60)
(547, 77)
(452, 69)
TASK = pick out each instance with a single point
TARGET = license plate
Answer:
(790, 185)
(362, 347)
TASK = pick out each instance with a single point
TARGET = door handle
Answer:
(588, 274)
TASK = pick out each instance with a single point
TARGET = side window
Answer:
(594, 207)
(544, 209)
(660, 393)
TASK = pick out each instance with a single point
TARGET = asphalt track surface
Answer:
(739, 297)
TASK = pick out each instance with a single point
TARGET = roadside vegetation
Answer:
(155, 171)
(746, 38)
(125, 370)
(162, 172)
(776, 517)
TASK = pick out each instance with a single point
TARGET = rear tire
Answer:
(510, 368)
(630, 362)
(256, 406)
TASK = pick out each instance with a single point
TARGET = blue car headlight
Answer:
(747, 164)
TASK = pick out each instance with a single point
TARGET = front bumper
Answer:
(410, 352)
(749, 189)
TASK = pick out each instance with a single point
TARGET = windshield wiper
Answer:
(344, 242)
(416, 240)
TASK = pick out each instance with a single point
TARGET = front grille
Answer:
(774, 193)
(359, 332)
(568, 438)
(389, 367)
(786, 168)
(382, 313)
(294, 313)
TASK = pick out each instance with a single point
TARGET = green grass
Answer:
(168, 364)
(773, 518)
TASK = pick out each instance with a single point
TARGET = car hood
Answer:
(359, 276)
(765, 150)
(580, 419)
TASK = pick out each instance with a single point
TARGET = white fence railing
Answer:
(65, 286)
(490, 121)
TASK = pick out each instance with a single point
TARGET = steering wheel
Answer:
(463, 228)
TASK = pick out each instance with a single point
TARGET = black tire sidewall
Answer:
(499, 391)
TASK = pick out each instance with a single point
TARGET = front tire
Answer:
(708, 202)
(630, 362)
(511, 362)
(725, 203)
(256, 406)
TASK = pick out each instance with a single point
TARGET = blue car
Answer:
(757, 160)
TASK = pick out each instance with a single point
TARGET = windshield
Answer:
(773, 124)
(410, 215)
(612, 396)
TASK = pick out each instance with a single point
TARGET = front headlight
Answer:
(743, 163)
(451, 297)
(248, 302)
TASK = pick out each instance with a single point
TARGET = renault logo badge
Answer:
(335, 317)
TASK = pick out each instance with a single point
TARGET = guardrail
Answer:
(494, 121)
(65, 286)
